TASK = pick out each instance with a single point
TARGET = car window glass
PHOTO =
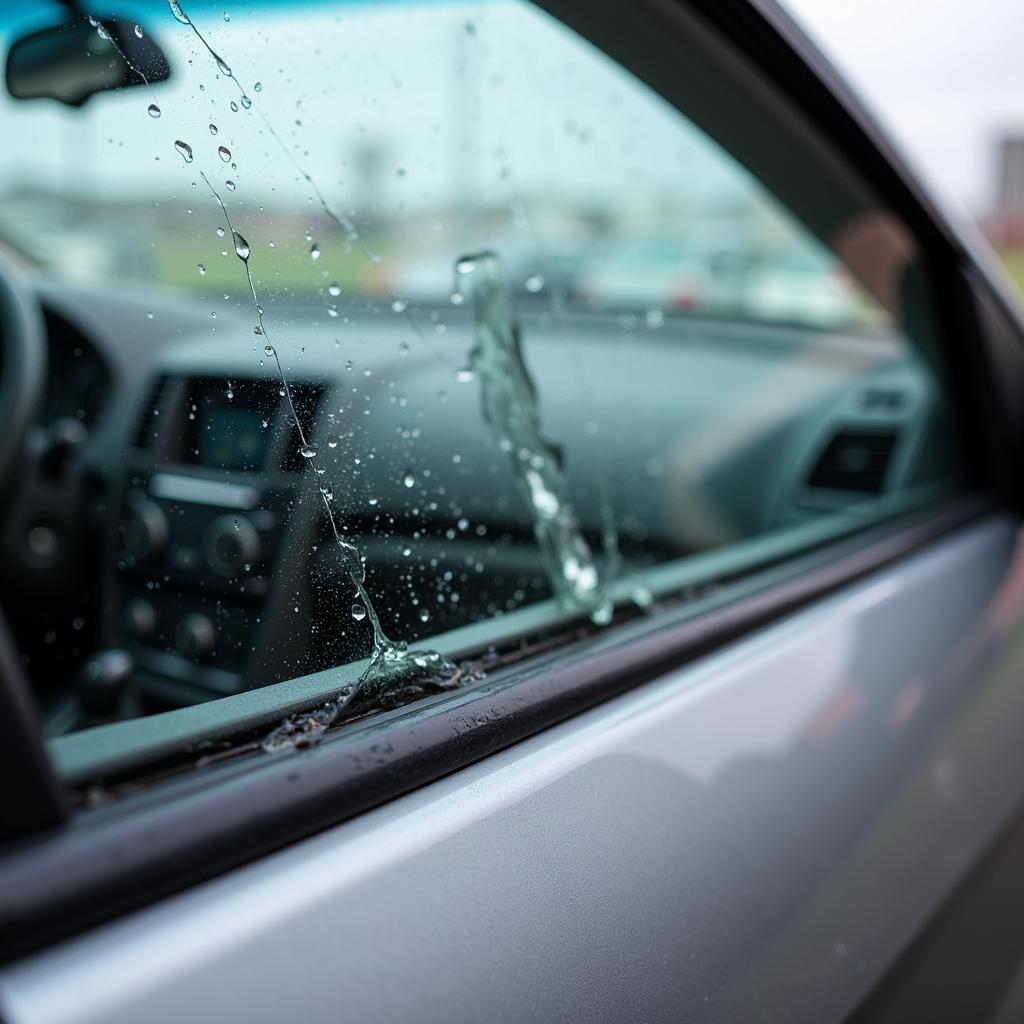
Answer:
(389, 319)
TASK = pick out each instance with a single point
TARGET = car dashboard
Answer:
(216, 567)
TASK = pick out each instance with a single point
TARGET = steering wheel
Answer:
(22, 366)
(23, 358)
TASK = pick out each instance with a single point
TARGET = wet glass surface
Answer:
(440, 312)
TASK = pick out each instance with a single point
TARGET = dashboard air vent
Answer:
(854, 461)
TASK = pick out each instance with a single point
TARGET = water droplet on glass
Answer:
(246, 102)
(399, 305)
(213, 129)
(178, 12)
(258, 87)
(654, 318)
(224, 153)
(257, 329)
(229, 185)
(231, 394)
(456, 298)
(307, 451)
(138, 31)
(268, 350)
(464, 375)
(149, 316)
(202, 269)
(424, 615)
(314, 252)
(185, 150)
(220, 232)
(241, 246)
(534, 283)
(409, 478)
(334, 288)
(234, 106)
(466, 265)
(223, 68)
(153, 110)
(100, 30)
(227, 17)
(358, 611)
(332, 441)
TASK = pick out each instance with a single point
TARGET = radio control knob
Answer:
(231, 544)
(139, 618)
(195, 636)
(145, 530)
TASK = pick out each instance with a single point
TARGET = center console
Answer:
(212, 480)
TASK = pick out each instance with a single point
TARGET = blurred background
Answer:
(947, 80)
(426, 147)
(432, 152)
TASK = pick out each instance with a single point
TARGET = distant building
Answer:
(1005, 225)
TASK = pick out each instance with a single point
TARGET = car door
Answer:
(732, 710)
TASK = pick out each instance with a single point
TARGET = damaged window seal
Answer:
(684, 606)
(126, 749)
(354, 707)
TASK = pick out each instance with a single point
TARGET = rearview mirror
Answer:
(74, 60)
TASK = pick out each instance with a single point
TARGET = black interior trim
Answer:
(118, 857)
(774, 43)
(31, 798)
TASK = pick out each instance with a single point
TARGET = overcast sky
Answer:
(945, 76)
(445, 111)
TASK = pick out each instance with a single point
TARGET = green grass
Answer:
(1013, 261)
(273, 270)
